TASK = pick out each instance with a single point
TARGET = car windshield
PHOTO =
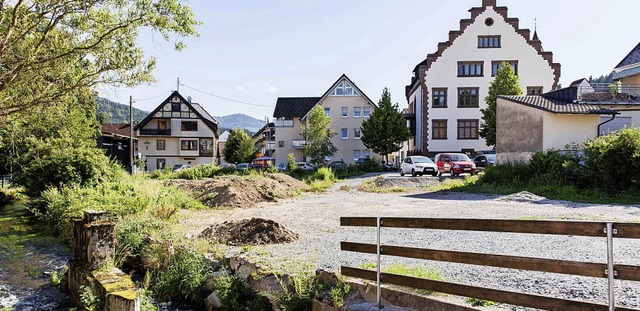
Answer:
(491, 157)
(459, 157)
(422, 160)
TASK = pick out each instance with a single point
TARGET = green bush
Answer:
(58, 163)
(8, 196)
(370, 166)
(128, 196)
(235, 295)
(613, 160)
(325, 174)
(291, 162)
(183, 279)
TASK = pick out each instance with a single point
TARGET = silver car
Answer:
(418, 165)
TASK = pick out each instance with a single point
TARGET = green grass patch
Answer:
(415, 271)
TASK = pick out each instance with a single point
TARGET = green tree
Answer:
(102, 117)
(386, 130)
(49, 49)
(318, 136)
(239, 147)
(505, 83)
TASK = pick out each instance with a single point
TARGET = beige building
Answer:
(448, 88)
(343, 102)
(527, 124)
(177, 132)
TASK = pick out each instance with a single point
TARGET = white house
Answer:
(343, 102)
(177, 132)
(448, 88)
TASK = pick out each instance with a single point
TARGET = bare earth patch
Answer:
(241, 191)
(254, 231)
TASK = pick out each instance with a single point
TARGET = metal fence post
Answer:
(379, 304)
(610, 271)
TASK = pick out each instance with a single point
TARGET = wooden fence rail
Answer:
(607, 230)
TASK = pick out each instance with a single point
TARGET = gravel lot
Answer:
(316, 218)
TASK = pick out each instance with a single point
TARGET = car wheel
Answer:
(401, 173)
(413, 172)
(420, 174)
(434, 174)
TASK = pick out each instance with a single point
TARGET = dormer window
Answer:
(488, 42)
(344, 88)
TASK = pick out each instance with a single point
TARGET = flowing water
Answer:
(28, 253)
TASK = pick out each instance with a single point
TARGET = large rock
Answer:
(213, 302)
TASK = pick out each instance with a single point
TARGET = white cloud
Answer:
(240, 88)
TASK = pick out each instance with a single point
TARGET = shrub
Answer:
(370, 166)
(325, 174)
(613, 160)
(58, 163)
(235, 295)
(183, 279)
(291, 162)
(8, 196)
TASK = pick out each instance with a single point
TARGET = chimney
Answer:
(189, 99)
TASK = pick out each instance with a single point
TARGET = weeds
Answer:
(183, 279)
(89, 300)
(418, 272)
(475, 302)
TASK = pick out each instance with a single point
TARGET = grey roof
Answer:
(626, 73)
(632, 58)
(202, 112)
(557, 106)
(289, 107)
(577, 82)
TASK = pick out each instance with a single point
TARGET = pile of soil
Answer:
(254, 231)
(241, 191)
(522, 196)
(393, 181)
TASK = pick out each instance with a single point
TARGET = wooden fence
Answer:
(608, 230)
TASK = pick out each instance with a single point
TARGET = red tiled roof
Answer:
(116, 129)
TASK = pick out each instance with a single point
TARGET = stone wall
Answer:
(93, 245)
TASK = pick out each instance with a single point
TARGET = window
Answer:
(344, 88)
(467, 97)
(327, 111)
(345, 112)
(366, 112)
(534, 90)
(439, 129)
(160, 144)
(488, 21)
(175, 107)
(162, 125)
(189, 145)
(439, 98)
(160, 164)
(345, 133)
(467, 129)
(496, 65)
(357, 133)
(366, 154)
(488, 42)
(470, 69)
(281, 143)
(356, 154)
(190, 126)
(357, 112)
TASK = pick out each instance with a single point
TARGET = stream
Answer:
(28, 253)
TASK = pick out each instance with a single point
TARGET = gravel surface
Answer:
(315, 217)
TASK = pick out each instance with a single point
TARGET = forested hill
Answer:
(118, 113)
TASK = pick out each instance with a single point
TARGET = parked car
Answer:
(227, 165)
(483, 161)
(305, 166)
(455, 164)
(180, 167)
(418, 165)
(282, 167)
(338, 165)
(243, 166)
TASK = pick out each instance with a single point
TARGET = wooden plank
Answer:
(625, 272)
(578, 228)
(358, 221)
(514, 298)
(627, 230)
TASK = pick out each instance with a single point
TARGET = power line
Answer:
(150, 98)
(225, 98)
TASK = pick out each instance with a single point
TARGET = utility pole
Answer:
(131, 133)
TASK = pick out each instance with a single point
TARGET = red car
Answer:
(455, 164)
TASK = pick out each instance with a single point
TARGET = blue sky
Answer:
(254, 51)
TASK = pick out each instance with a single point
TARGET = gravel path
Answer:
(316, 218)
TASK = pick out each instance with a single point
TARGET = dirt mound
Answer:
(241, 191)
(254, 231)
(522, 196)
(389, 182)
